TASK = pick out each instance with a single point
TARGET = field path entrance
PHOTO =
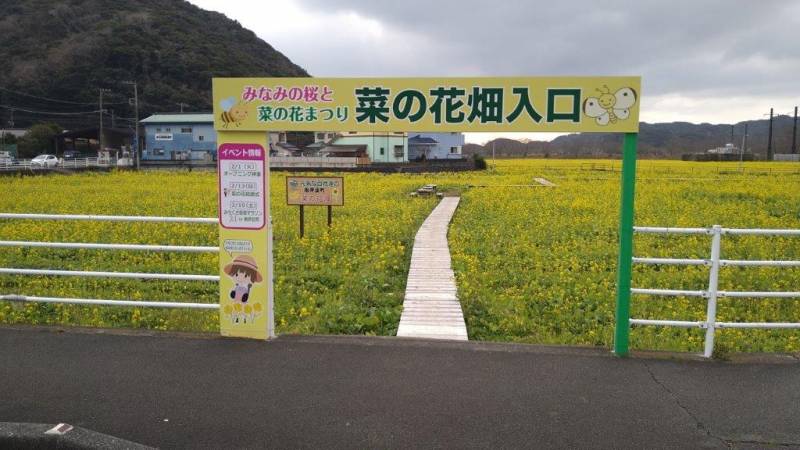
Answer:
(430, 307)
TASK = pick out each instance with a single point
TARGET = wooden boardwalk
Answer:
(431, 308)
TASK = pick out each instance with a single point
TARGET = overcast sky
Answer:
(718, 61)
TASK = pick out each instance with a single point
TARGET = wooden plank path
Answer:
(431, 308)
(544, 182)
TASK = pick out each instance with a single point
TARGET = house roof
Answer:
(180, 118)
(287, 146)
(422, 140)
(344, 148)
(371, 134)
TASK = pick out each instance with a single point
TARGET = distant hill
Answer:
(68, 49)
(659, 140)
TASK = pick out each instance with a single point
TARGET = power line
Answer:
(49, 113)
(45, 98)
(55, 100)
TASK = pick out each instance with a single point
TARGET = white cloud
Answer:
(331, 43)
(714, 61)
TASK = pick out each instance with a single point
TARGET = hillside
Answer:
(658, 140)
(68, 49)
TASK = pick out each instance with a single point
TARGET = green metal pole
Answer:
(622, 332)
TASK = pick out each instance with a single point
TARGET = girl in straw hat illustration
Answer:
(243, 270)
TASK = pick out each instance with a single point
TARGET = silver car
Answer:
(44, 161)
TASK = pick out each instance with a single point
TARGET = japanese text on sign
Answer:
(241, 186)
(315, 191)
(600, 104)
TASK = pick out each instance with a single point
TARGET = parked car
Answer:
(44, 161)
(71, 154)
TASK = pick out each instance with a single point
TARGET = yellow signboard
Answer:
(529, 104)
(315, 191)
(245, 268)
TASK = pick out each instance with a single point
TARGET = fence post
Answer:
(713, 282)
(628, 183)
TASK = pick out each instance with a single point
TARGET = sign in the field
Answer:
(320, 191)
(314, 191)
(245, 306)
(559, 104)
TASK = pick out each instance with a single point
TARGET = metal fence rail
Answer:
(100, 302)
(92, 246)
(20, 165)
(712, 293)
(104, 274)
(211, 220)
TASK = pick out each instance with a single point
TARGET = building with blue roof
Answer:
(175, 137)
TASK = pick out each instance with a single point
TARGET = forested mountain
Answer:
(657, 140)
(70, 49)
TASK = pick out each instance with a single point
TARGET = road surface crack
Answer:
(698, 423)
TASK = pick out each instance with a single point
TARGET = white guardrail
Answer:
(94, 246)
(76, 163)
(712, 293)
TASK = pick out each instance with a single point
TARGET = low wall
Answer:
(718, 157)
(431, 165)
(321, 164)
(312, 162)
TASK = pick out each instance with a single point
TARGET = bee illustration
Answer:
(610, 107)
(232, 112)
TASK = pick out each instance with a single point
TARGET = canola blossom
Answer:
(539, 264)
(349, 279)
(533, 263)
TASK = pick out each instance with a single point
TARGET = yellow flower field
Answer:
(346, 280)
(539, 264)
(533, 264)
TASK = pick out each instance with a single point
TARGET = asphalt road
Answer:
(358, 392)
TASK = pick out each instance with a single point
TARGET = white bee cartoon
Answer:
(610, 107)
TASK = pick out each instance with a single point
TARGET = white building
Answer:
(423, 146)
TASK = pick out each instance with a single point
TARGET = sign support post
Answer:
(302, 222)
(245, 236)
(624, 263)
(271, 277)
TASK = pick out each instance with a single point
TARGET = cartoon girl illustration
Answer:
(243, 270)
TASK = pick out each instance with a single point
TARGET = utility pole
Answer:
(100, 136)
(2, 127)
(769, 142)
(494, 163)
(744, 146)
(794, 133)
(731, 141)
(136, 118)
(182, 105)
